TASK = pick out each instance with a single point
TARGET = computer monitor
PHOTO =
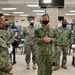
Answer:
(51, 3)
(60, 18)
(30, 18)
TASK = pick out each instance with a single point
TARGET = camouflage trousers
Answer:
(2, 73)
(30, 49)
(44, 65)
(57, 55)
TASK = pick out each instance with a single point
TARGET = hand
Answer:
(9, 70)
(70, 46)
(10, 73)
(15, 39)
(8, 45)
(47, 39)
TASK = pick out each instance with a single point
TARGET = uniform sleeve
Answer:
(2, 42)
(4, 66)
(10, 38)
(37, 39)
(57, 37)
(54, 36)
(71, 38)
(24, 32)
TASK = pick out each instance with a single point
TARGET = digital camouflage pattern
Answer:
(10, 38)
(29, 34)
(64, 36)
(4, 55)
(29, 44)
(45, 51)
(64, 39)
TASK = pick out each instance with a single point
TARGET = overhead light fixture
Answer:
(32, 5)
(6, 14)
(40, 13)
(9, 8)
(24, 15)
(38, 10)
(72, 10)
(47, 1)
(70, 14)
(18, 12)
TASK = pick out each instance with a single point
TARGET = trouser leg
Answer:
(34, 54)
(28, 53)
(65, 52)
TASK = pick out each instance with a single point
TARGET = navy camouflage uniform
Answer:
(45, 51)
(4, 54)
(64, 39)
(29, 44)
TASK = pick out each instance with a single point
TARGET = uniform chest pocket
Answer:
(42, 34)
(66, 34)
(51, 34)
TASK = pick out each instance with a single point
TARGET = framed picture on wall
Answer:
(17, 21)
(22, 20)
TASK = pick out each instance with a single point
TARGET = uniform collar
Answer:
(63, 28)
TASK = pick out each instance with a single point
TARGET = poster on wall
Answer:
(22, 20)
(17, 21)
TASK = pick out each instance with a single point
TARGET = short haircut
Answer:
(64, 21)
(45, 15)
(1, 14)
(6, 20)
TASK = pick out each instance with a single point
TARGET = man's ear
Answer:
(49, 18)
(1, 25)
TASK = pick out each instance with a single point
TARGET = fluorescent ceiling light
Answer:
(24, 15)
(70, 14)
(9, 8)
(72, 10)
(38, 10)
(32, 5)
(18, 12)
(40, 13)
(6, 14)
(47, 1)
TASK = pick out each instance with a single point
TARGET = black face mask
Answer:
(6, 26)
(32, 24)
(45, 22)
(64, 25)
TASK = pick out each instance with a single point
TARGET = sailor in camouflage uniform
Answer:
(29, 44)
(10, 37)
(9, 32)
(64, 39)
(45, 38)
(5, 66)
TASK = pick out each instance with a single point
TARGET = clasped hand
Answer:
(47, 39)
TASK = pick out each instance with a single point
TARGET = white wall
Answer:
(10, 18)
(26, 22)
(69, 18)
(20, 21)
